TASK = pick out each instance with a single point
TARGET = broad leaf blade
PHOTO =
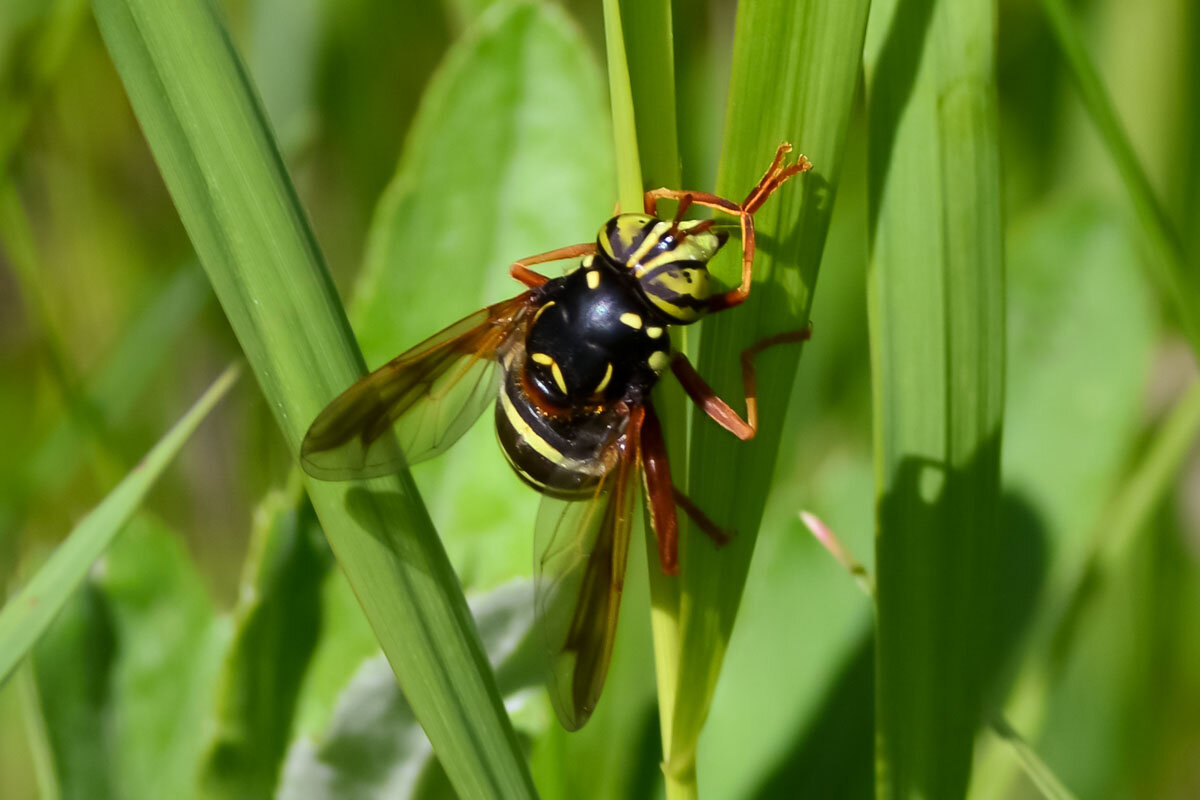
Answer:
(275, 632)
(935, 292)
(135, 663)
(374, 747)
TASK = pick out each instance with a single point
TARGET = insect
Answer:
(569, 365)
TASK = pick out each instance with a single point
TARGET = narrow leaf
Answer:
(1168, 265)
(795, 69)
(25, 617)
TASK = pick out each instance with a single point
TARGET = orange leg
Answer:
(662, 496)
(659, 494)
(772, 179)
(520, 269)
(720, 411)
(710, 529)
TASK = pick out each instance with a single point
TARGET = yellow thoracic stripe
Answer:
(526, 433)
(652, 238)
(558, 377)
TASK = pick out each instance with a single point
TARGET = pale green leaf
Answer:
(500, 130)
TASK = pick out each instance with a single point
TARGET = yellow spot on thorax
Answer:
(558, 377)
(607, 377)
(632, 320)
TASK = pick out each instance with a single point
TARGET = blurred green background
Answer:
(108, 330)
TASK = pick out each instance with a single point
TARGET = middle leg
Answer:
(721, 412)
(662, 497)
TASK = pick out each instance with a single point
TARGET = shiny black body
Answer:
(581, 328)
(593, 344)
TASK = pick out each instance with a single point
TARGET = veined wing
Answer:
(428, 396)
(581, 548)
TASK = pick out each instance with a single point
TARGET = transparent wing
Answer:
(581, 547)
(428, 396)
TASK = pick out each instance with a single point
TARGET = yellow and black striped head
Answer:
(668, 259)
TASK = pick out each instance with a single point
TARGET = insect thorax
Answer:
(594, 340)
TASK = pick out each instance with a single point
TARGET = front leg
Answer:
(775, 176)
(520, 269)
(721, 412)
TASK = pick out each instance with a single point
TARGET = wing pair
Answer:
(428, 397)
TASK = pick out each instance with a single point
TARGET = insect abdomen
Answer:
(560, 457)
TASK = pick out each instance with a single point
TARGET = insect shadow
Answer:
(833, 755)
(368, 508)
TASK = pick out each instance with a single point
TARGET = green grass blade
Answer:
(649, 50)
(1074, 603)
(620, 91)
(795, 69)
(1025, 756)
(37, 735)
(936, 302)
(1071, 424)
(1167, 261)
(1038, 772)
(650, 54)
(1148, 483)
(26, 616)
(206, 129)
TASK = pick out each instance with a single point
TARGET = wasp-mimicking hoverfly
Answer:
(569, 365)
